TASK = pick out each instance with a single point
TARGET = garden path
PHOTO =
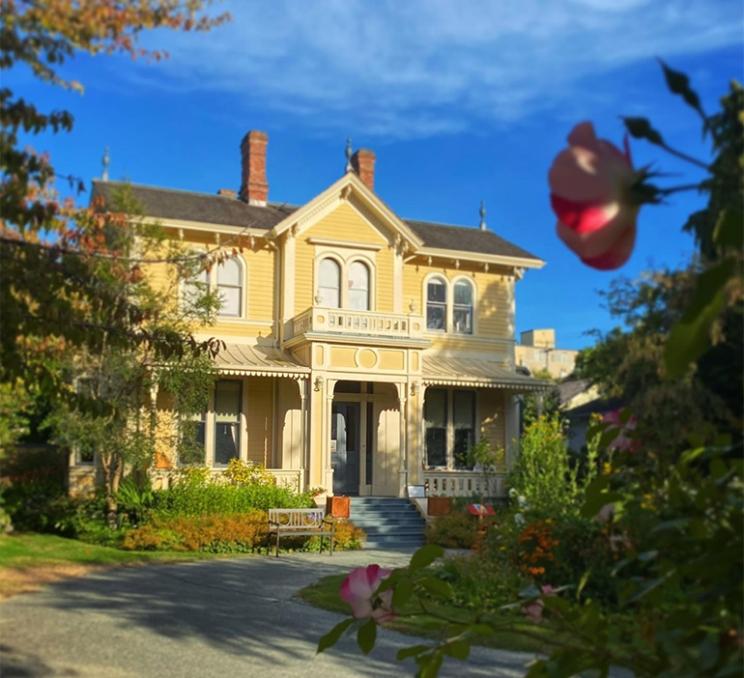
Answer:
(235, 617)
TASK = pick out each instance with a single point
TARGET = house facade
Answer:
(364, 353)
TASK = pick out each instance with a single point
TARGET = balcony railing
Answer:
(344, 321)
(464, 484)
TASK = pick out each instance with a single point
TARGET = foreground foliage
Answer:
(642, 568)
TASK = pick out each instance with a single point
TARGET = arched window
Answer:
(462, 311)
(230, 287)
(436, 304)
(358, 286)
(329, 283)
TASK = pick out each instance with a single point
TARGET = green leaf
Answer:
(436, 587)
(425, 556)
(598, 495)
(481, 629)
(429, 665)
(413, 651)
(690, 337)
(332, 637)
(641, 128)
(402, 593)
(459, 649)
(367, 635)
(582, 583)
(678, 83)
(729, 230)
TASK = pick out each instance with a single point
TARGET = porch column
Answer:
(402, 387)
(304, 480)
(330, 385)
(511, 429)
(415, 423)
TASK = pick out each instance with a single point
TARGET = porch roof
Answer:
(259, 361)
(448, 371)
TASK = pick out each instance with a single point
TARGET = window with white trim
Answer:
(449, 422)
(329, 283)
(227, 404)
(462, 309)
(230, 287)
(436, 304)
(358, 286)
(194, 288)
(435, 422)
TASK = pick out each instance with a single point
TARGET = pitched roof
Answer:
(168, 203)
(465, 239)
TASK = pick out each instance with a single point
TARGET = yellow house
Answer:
(365, 353)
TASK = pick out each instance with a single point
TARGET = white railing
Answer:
(464, 484)
(319, 319)
(289, 478)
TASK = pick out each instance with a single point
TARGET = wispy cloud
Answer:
(419, 68)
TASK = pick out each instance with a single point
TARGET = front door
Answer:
(345, 448)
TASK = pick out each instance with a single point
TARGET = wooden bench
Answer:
(301, 523)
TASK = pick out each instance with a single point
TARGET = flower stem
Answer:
(680, 189)
(683, 156)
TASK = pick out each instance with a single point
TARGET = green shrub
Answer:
(544, 478)
(480, 582)
(346, 537)
(195, 493)
(235, 533)
(455, 530)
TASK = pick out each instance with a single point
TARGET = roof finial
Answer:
(482, 213)
(349, 166)
(105, 161)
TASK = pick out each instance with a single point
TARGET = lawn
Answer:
(325, 594)
(30, 560)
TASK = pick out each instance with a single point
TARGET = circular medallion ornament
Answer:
(366, 358)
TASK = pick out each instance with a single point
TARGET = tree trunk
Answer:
(112, 473)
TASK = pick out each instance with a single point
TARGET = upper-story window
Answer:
(230, 287)
(329, 283)
(358, 298)
(194, 288)
(436, 304)
(462, 311)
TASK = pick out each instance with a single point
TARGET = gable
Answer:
(347, 224)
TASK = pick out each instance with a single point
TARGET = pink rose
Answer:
(359, 590)
(590, 184)
(624, 440)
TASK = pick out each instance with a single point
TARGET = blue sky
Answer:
(460, 102)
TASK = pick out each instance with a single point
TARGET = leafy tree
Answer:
(83, 326)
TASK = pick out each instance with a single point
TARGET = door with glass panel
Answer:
(345, 447)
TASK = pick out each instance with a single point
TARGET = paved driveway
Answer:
(236, 617)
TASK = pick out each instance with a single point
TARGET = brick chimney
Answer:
(254, 188)
(363, 162)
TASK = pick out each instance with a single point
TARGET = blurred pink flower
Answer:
(624, 440)
(359, 590)
(590, 192)
(534, 609)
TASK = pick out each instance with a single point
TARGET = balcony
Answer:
(368, 323)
